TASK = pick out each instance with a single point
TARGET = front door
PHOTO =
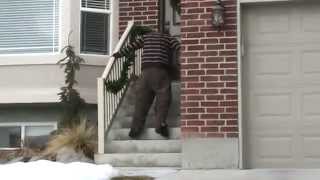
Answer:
(172, 19)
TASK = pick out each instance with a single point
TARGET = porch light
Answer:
(218, 15)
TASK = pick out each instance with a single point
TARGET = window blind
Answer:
(96, 4)
(95, 33)
(29, 26)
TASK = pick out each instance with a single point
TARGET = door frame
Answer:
(162, 15)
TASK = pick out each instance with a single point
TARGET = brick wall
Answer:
(209, 103)
(143, 12)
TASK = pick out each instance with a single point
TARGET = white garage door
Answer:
(281, 77)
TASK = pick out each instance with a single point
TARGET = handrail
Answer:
(109, 103)
(121, 42)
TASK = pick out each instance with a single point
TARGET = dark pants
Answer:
(154, 82)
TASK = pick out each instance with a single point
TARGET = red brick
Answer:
(228, 116)
(229, 129)
(190, 104)
(195, 110)
(215, 84)
(209, 78)
(189, 129)
(232, 122)
(196, 72)
(190, 116)
(209, 91)
(209, 129)
(196, 85)
(195, 123)
(209, 103)
(215, 110)
(232, 135)
(215, 123)
(215, 135)
(195, 97)
(209, 70)
(196, 47)
(209, 116)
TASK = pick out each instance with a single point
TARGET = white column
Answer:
(101, 115)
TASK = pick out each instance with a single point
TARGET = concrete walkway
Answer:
(258, 174)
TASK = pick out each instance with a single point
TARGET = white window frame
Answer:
(23, 126)
(111, 13)
(61, 2)
(70, 11)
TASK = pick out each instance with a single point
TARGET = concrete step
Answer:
(148, 134)
(144, 146)
(125, 122)
(156, 172)
(140, 160)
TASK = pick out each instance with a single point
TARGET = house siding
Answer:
(209, 95)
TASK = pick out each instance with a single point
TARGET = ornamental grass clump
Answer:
(81, 138)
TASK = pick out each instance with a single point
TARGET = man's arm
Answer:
(137, 44)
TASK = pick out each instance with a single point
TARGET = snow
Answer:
(48, 170)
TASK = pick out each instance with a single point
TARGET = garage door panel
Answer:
(275, 22)
(273, 104)
(310, 104)
(311, 148)
(309, 62)
(277, 150)
(272, 63)
(310, 125)
(275, 147)
(269, 125)
(310, 19)
(282, 81)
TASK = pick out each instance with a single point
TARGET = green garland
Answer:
(114, 86)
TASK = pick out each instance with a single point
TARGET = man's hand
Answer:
(117, 55)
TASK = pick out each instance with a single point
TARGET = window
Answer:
(95, 26)
(17, 135)
(29, 26)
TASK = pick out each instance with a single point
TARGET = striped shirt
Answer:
(157, 48)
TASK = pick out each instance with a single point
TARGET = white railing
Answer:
(108, 103)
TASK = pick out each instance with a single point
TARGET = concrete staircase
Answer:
(151, 149)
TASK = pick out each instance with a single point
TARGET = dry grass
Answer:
(133, 178)
(80, 138)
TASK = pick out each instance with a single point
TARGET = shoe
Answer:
(134, 134)
(163, 131)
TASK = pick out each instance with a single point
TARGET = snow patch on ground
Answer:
(48, 170)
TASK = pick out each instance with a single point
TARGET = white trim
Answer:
(111, 26)
(10, 124)
(101, 115)
(23, 126)
(117, 48)
(53, 52)
(42, 59)
(239, 54)
(111, 14)
(260, 1)
(94, 10)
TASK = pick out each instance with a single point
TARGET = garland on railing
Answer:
(114, 86)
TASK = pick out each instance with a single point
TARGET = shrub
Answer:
(80, 138)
